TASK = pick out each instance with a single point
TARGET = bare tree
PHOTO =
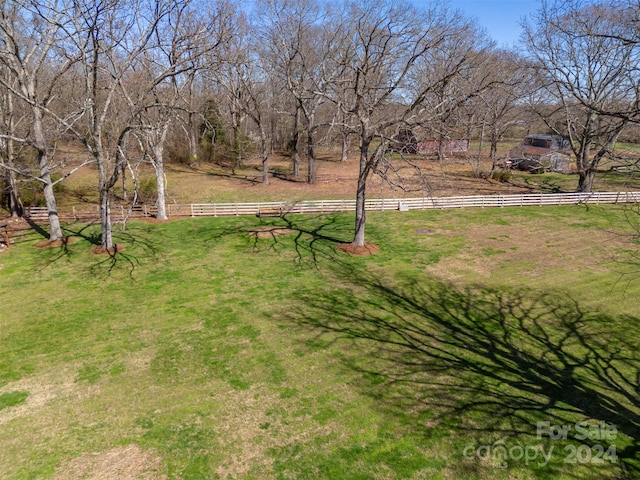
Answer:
(8, 132)
(229, 77)
(298, 40)
(376, 88)
(457, 70)
(493, 107)
(256, 106)
(588, 71)
(130, 53)
(111, 36)
(184, 39)
(501, 102)
(33, 41)
(245, 79)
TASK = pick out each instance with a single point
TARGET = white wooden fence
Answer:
(328, 206)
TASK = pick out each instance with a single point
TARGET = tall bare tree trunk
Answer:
(311, 154)
(158, 153)
(493, 152)
(16, 209)
(193, 128)
(345, 147)
(237, 147)
(311, 162)
(477, 165)
(442, 156)
(295, 155)
(123, 174)
(104, 189)
(106, 238)
(156, 139)
(15, 204)
(44, 163)
(193, 139)
(265, 155)
(361, 196)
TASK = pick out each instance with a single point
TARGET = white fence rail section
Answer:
(328, 206)
(421, 203)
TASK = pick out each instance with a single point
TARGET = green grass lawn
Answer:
(209, 349)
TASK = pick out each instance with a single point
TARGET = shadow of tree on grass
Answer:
(486, 362)
(313, 237)
(140, 248)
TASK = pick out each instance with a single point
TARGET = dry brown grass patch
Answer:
(128, 462)
(43, 389)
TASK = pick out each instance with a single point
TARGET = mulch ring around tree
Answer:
(63, 242)
(100, 250)
(367, 249)
(270, 231)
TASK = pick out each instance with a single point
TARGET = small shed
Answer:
(541, 153)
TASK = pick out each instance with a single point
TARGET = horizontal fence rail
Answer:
(329, 206)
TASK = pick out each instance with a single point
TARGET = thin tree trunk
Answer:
(441, 150)
(476, 167)
(158, 153)
(16, 208)
(345, 147)
(493, 152)
(157, 149)
(125, 194)
(311, 164)
(265, 155)
(311, 154)
(15, 204)
(105, 184)
(55, 230)
(106, 239)
(193, 128)
(361, 195)
(236, 146)
(295, 156)
(193, 141)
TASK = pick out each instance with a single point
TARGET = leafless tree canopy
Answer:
(586, 60)
(156, 80)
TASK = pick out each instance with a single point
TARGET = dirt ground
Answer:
(334, 180)
(210, 182)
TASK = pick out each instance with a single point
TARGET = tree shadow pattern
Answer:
(312, 237)
(484, 361)
(141, 249)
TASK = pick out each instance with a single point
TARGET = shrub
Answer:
(147, 190)
(501, 175)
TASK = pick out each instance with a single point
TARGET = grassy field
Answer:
(251, 348)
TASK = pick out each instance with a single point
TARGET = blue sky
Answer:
(501, 18)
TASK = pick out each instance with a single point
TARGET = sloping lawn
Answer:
(468, 347)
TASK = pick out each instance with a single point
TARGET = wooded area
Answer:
(152, 81)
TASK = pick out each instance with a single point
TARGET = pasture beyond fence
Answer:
(328, 206)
